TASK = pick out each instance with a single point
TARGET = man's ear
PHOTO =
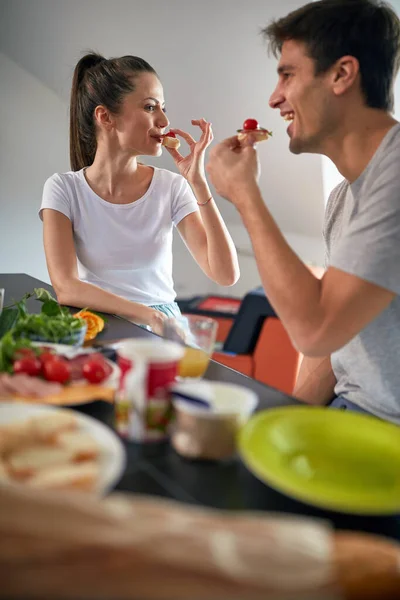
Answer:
(103, 117)
(345, 73)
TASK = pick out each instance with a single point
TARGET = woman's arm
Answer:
(205, 234)
(208, 239)
(62, 266)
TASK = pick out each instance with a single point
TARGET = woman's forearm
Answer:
(78, 293)
(221, 251)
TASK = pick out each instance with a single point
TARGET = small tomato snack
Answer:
(170, 140)
(252, 126)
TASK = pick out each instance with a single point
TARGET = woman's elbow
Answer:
(227, 279)
(64, 292)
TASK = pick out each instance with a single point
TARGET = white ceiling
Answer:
(210, 58)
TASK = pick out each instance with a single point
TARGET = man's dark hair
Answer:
(366, 29)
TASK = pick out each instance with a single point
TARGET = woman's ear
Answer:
(345, 74)
(103, 117)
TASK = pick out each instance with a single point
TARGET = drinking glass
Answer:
(198, 333)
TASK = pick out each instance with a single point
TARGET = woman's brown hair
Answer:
(98, 81)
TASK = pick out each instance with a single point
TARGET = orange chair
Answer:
(274, 361)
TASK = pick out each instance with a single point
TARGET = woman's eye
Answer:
(150, 107)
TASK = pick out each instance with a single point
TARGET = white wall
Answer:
(33, 133)
(205, 73)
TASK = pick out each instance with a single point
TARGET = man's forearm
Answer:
(316, 381)
(291, 288)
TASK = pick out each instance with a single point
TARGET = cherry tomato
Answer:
(170, 134)
(250, 124)
(24, 353)
(28, 365)
(96, 370)
(57, 369)
(45, 356)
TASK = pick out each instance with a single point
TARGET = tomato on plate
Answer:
(57, 369)
(95, 369)
(24, 353)
(29, 365)
(46, 356)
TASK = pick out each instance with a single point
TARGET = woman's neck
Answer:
(118, 178)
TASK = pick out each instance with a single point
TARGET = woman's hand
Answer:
(156, 322)
(191, 167)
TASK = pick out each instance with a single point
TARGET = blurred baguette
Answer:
(139, 548)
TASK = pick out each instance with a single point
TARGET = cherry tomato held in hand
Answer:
(28, 365)
(96, 370)
(57, 369)
(250, 124)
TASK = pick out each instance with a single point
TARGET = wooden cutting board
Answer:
(70, 395)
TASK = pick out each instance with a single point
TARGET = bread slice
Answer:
(13, 436)
(81, 444)
(28, 461)
(171, 142)
(82, 476)
(260, 135)
(46, 427)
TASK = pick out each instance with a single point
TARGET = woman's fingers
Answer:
(186, 136)
(177, 156)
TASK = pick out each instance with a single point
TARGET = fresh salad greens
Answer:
(9, 348)
(53, 324)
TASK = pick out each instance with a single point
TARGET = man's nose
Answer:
(276, 98)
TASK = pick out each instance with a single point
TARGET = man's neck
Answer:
(360, 136)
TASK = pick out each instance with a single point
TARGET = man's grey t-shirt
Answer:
(362, 235)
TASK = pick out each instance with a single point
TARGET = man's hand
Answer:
(234, 168)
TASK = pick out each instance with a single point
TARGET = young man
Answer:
(338, 61)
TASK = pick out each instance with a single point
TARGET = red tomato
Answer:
(57, 369)
(96, 370)
(28, 365)
(250, 124)
(24, 353)
(45, 356)
(170, 134)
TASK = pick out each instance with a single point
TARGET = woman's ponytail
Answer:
(82, 135)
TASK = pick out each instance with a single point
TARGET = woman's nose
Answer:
(162, 120)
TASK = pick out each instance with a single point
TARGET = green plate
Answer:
(334, 459)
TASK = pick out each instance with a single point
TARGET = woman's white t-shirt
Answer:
(124, 248)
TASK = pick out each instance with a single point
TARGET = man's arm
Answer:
(316, 381)
(320, 316)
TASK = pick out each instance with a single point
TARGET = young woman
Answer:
(108, 222)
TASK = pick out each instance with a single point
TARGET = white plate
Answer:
(112, 459)
(112, 380)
